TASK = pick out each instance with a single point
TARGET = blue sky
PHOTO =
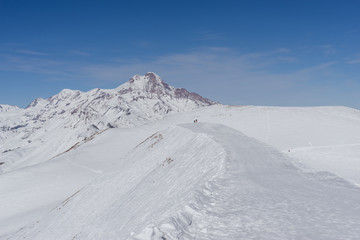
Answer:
(282, 53)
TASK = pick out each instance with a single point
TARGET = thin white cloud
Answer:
(33, 64)
(79, 53)
(29, 52)
(354, 61)
(316, 67)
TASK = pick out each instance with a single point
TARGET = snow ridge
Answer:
(204, 181)
(148, 180)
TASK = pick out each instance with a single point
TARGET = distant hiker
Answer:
(196, 120)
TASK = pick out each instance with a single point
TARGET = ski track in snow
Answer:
(83, 167)
(262, 196)
(326, 146)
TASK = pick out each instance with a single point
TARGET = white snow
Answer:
(204, 181)
(319, 138)
(31, 191)
(241, 172)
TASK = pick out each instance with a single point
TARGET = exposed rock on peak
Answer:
(152, 86)
(152, 77)
(183, 93)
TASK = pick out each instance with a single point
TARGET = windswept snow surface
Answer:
(204, 181)
(27, 193)
(318, 138)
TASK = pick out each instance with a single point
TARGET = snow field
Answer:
(263, 196)
(321, 139)
(29, 192)
(205, 181)
(151, 183)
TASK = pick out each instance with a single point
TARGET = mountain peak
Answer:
(149, 76)
(150, 83)
(66, 93)
(152, 77)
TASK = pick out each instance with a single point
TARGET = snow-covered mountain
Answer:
(72, 117)
(241, 172)
(8, 108)
(141, 99)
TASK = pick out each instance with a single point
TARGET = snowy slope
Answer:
(30, 192)
(319, 138)
(48, 127)
(283, 128)
(204, 181)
